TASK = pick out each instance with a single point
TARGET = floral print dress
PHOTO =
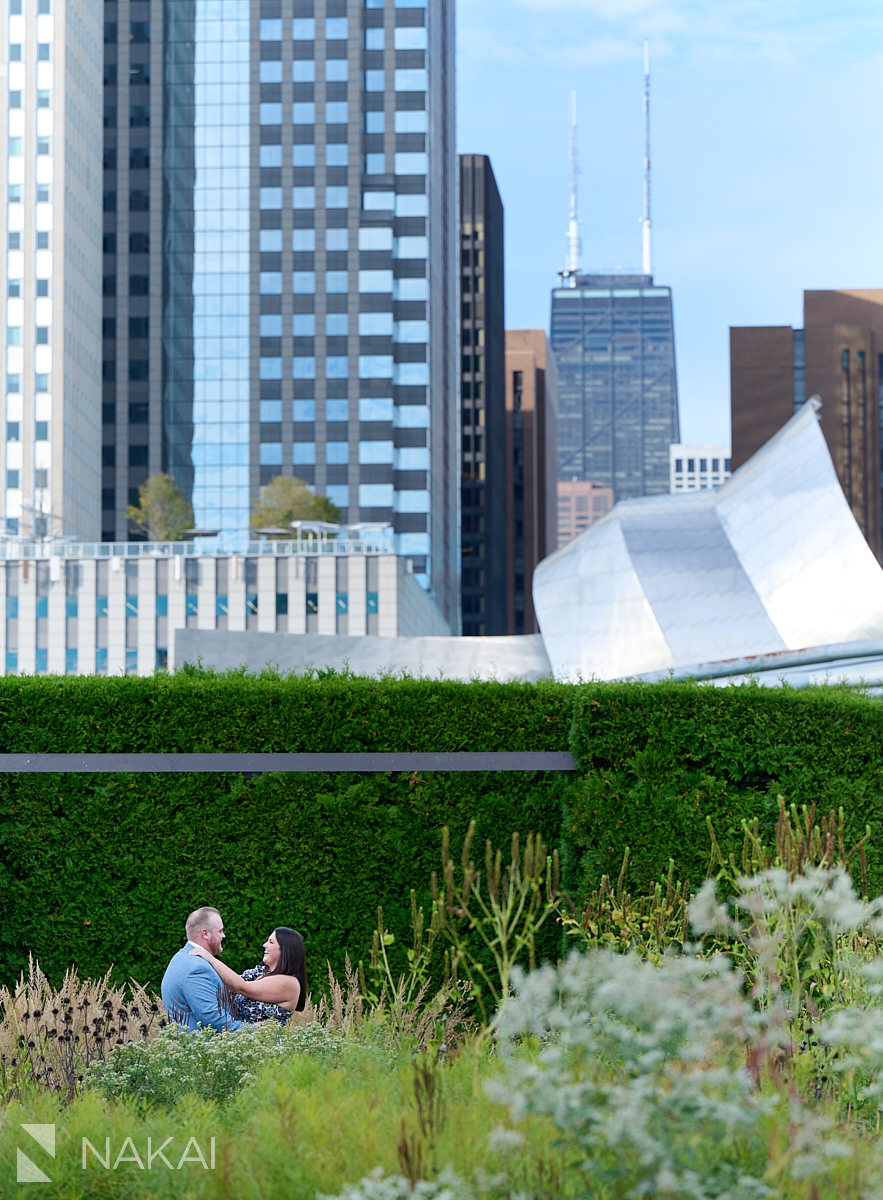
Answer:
(251, 1010)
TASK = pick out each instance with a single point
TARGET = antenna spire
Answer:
(646, 255)
(574, 243)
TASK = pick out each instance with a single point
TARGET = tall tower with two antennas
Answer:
(646, 252)
(612, 337)
(574, 242)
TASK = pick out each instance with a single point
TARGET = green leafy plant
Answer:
(206, 1063)
(163, 512)
(492, 920)
(285, 499)
(612, 916)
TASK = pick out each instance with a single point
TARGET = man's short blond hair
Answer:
(197, 921)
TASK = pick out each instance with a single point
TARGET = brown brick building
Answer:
(531, 482)
(581, 502)
(838, 356)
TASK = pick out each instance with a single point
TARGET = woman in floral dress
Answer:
(273, 989)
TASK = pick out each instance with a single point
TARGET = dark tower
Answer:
(482, 389)
(613, 342)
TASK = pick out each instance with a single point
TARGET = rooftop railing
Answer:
(281, 548)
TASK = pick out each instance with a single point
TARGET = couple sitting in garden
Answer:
(197, 987)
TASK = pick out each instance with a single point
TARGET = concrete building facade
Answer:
(51, 143)
(104, 608)
(531, 486)
(483, 400)
(280, 262)
(836, 356)
(695, 468)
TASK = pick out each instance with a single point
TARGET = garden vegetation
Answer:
(656, 976)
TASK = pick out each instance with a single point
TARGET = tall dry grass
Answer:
(49, 1036)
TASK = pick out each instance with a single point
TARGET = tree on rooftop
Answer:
(285, 499)
(163, 513)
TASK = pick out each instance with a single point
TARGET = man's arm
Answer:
(202, 992)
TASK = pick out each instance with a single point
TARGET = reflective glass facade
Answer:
(613, 341)
(483, 468)
(215, 101)
(304, 264)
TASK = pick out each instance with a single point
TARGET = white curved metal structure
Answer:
(773, 561)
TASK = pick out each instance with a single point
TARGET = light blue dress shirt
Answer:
(192, 993)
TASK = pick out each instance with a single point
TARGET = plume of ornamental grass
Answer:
(397, 1013)
(50, 1036)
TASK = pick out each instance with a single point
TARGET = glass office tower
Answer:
(280, 270)
(613, 341)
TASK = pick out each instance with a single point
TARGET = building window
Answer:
(303, 240)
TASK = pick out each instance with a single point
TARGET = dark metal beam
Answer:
(79, 764)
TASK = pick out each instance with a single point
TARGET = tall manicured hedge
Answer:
(657, 759)
(101, 869)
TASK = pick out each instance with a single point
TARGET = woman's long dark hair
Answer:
(292, 960)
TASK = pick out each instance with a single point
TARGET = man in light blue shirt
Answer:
(192, 993)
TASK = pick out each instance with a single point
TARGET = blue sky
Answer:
(767, 146)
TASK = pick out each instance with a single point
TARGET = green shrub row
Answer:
(657, 760)
(103, 869)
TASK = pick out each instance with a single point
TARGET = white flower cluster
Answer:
(378, 1186)
(640, 1068)
(206, 1063)
(821, 895)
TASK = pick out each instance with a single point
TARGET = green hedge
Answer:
(103, 869)
(657, 759)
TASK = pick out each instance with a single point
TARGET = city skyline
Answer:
(754, 111)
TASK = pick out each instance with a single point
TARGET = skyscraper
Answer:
(280, 262)
(613, 341)
(531, 495)
(51, 344)
(483, 398)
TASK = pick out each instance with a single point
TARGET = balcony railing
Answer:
(373, 544)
